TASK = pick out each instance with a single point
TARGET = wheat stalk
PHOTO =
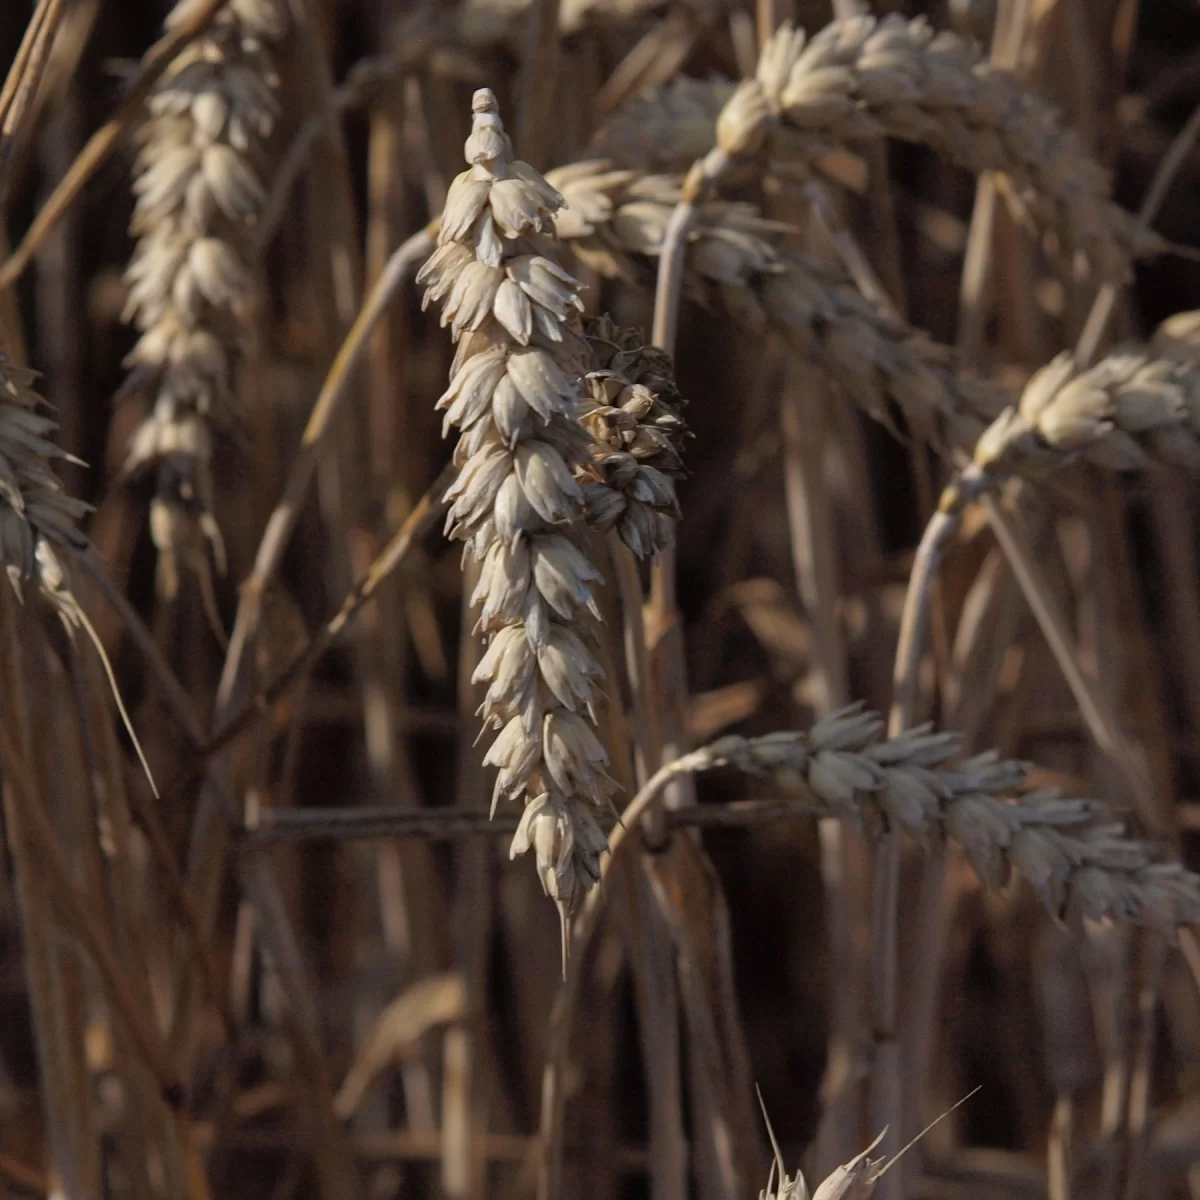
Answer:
(199, 192)
(515, 395)
(740, 260)
(863, 78)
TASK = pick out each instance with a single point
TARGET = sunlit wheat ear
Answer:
(38, 519)
(514, 395)
(631, 411)
(854, 1180)
(199, 188)
(739, 262)
(1079, 862)
(863, 78)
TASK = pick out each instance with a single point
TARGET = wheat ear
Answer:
(1078, 862)
(515, 396)
(38, 519)
(863, 78)
(740, 261)
(1127, 411)
(199, 193)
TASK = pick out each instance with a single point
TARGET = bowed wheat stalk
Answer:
(199, 192)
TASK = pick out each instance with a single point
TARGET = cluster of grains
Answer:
(616, 218)
(36, 515)
(854, 1180)
(861, 78)
(1127, 411)
(631, 410)
(199, 192)
(1078, 864)
(514, 394)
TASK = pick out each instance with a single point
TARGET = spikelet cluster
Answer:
(1078, 863)
(739, 261)
(37, 518)
(515, 396)
(1127, 411)
(199, 191)
(631, 411)
(863, 78)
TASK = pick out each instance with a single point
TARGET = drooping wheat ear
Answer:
(36, 515)
(514, 393)
(862, 78)
(631, 410)
(38, 518)
(199, 192)
(1127, 411)
(1077, 862)
(739, 260)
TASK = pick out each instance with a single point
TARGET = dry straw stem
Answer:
(740, 261)
(516, 504)
(199, 193)
(101, 144)
(863, 78)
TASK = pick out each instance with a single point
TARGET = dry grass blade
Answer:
(20, 88)
(429, 1003)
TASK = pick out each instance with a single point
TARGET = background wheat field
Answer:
(798, 758)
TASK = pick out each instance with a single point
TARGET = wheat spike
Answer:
(515, 395)
(864, 78)
(1129, 410)
(1078, 861)
(199, 191)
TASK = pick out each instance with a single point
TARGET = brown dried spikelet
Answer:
(199, 192)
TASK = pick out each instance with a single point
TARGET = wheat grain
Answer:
(864, 78)
(514, 394)
(631, 412)
(740, 260)
(199, 192)
(1078, 863)
(1127, 411)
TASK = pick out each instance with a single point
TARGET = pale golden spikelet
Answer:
(1126, 412)
(517, 503)
(199, 190)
